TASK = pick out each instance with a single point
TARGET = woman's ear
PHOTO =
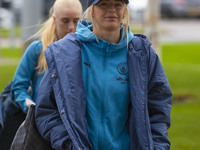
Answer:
(54, 18)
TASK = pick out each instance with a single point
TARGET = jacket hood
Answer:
(142, 37)
(85, 34)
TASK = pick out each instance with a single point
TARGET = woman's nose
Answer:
(71, 26)
(111, 8)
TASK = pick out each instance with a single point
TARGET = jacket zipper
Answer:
(103, 98)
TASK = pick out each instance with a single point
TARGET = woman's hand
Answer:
(29, 102)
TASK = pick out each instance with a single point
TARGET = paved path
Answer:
(9, 61)
(179, 30)
(11, 42)
(171, 30)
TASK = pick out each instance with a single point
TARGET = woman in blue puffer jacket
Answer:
(104, 88)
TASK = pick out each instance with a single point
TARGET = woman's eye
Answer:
(103, 4)
(75, 21)
(65, 20)
(118, 5)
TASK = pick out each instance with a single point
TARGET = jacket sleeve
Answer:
(47, 117)
(159, 102)
(24, 73)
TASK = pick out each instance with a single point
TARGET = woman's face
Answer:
(66, 20)
(108, 14)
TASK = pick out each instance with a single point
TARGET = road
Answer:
(11, 42)
(180, 30)
(171, 30)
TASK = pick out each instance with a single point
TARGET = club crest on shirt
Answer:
(122, 68)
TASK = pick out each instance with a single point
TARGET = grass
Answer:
(181, 53)
(7, 52)
(7, 74)
(184, 132)
(182, 66)
(6, 32)
(9, 59)
(182, 63)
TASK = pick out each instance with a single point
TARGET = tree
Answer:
(152, 18)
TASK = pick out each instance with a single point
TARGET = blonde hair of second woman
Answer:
(125, 22)
(48, 31)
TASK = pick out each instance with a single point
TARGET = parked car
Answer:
(180, 8)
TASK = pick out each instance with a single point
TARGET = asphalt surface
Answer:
(180, 30)
(171, 30)
(11, 42)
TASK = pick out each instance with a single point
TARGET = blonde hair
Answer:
(125, 22)
(48, 30)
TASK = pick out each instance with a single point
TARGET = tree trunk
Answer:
(152, 18)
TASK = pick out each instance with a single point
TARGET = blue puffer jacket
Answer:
(61, 103)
